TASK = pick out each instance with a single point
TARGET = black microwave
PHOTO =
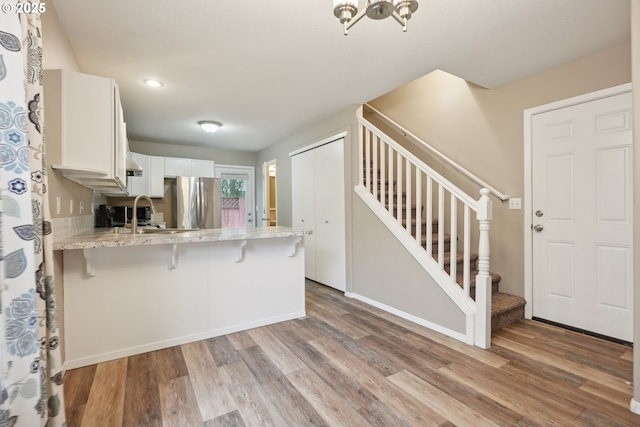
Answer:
(120, 213)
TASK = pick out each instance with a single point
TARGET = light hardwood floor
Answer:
(349, 364)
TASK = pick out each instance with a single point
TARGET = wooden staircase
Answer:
(505, 308)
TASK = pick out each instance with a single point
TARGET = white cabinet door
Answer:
(156, 176)
(88, 123)
(176, 166)
(121, 143)
(202, 168)
(303, 205)
(329, 215)
(137, 185)
(151, 182)
(85, 123)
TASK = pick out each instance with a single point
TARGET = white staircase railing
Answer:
(413, 138)
(407, 195)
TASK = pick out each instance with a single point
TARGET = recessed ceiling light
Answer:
(209, 126)
(153, 83)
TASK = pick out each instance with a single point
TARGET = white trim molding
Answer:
(410, 317)
(635, 406)
(323, 141)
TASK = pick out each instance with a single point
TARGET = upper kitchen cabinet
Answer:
(176, 166)
(84, 120)
(151, 182)
(203, 168)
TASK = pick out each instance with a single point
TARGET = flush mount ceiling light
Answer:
(209, 126)
(347, 11)
(153, 83)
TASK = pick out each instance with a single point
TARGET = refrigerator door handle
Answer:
(199, 203)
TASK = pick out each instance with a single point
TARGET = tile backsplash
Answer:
(63, 228)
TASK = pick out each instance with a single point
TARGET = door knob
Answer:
(538, 227)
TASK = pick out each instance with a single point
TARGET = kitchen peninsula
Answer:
(126, 294)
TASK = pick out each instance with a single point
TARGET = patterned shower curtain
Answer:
(31, 382)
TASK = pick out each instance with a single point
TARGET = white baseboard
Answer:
(126, 352)
(415, 319)
(635, 406)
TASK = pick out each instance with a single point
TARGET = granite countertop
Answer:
(106, 238)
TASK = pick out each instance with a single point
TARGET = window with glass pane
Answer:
(233, 189)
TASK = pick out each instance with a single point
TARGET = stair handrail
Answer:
(473, 203)
(502, 196)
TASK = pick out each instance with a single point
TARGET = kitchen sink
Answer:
(163, 230)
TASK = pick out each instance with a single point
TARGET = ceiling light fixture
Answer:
(209, 126)
(347, 11)
(153, 83)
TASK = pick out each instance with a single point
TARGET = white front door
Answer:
(582, 229)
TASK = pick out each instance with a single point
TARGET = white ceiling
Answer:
(266, 68)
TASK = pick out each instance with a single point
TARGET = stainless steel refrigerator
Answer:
(198, 203)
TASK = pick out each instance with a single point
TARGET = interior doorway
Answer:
(237, 193)
(269, 180)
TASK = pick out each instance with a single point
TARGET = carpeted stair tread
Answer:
(434, 224)
(434, 240)
(404, 209)
(495, 282)
(459, 258)
(380, 182)
(395, 196)
(506, 309)
(502, 303)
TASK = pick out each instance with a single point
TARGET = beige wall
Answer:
(384, 271)
(483, 131)
(342, 121)
(57, 53)
(378, 267)
(635, 59)
(339, 122)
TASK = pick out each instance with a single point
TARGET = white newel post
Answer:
(483, 280)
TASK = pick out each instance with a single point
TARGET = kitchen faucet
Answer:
(134, 217)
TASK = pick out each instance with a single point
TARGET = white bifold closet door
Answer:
(317, 177)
